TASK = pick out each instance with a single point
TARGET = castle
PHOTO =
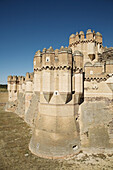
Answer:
(67, 100)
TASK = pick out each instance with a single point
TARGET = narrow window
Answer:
(55, 93)
(47, 59)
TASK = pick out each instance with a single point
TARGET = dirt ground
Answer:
(15, 135)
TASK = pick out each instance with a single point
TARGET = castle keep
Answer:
(67, 100)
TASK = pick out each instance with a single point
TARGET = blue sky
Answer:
(29, 25)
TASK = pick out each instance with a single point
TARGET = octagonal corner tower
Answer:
(56, 132)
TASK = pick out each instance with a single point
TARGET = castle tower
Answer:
(78, 74)
(9, 88)
(65, 76)
(56, 132)
(90, 46)
(28, 91)
(23, 85)
(19, 85)
(76, 37)
(81, 35)
(48, 58)
(72, 39)
(12, 87)
(70, 89)
(37, 72)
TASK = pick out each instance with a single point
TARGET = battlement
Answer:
(12, 79)
(29, 76)
(57, 59)
(52, 97)
(82, 38)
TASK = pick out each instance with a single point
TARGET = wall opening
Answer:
(47, 59)
(75, 147)
(56, 93)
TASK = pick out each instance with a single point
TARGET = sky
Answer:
(27, 26)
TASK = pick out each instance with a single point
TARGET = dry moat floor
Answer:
(15, 135)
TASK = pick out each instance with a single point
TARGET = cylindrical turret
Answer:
(65, 56)
(37, 60)
(81, 34)
(14, 85)
(72, 39)
(89, 34)
(78, 59)
(56, 132)
(79, 82)
(29, 82)
(28, 91)
(9, 83)
(9, 87)
(48, 57)
(9, 78)
(19, 86)
(78, 76)
(77, 37)
(37, 64)
(23, 84)
(98, 37)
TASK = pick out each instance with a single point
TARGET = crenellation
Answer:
(19, 84)
(56, 95)
(81, 35)
(65, 57)
(23, 84)
(90, 46)
(76, 37)
(28, 90)
(37, 59)
(12, 87)
(98, 37)
(48, 57)
(78, 59)
(89, 35)
(72, 39)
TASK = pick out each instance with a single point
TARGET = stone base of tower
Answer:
(54, 152)
(56, 134)
(43, 145)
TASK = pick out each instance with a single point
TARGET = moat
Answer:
(15, 135)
